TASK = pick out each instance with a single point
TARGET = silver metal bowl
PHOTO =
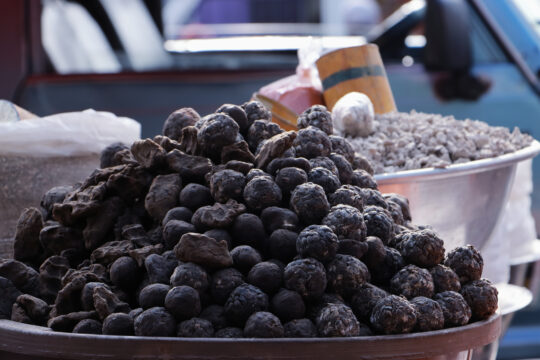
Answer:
(462, 202)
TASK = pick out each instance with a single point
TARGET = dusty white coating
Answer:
(353, 115)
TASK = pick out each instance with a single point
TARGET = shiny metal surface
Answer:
(461, 202)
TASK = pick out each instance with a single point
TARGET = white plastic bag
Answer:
(67, 134)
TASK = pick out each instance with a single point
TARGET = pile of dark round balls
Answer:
(227, 226)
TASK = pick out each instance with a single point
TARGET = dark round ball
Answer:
(345, 170)
(372, 197)
(173, 231)
(382, 272)
(282, 245)
(224, 281)
(429, 314)
(262, 192)
(284, 162)
(341, 146)
(318, 116)
(324, 162)
(352, 247)
(318, 242)
(260, 131)
(229, 333)
(324, 178)
(311, 142)
(423, 248)
(444, 279)
(482, 298)
(363, 179)
(267, 276)
(107, 158)
(346, 222)
(183, 302)
(314, 306)
(412, 281)
(379, 223)
(393, 315)
(153, 295)
(361, 162)
(195, 328)
(88, 326)
(191, 274)
(245, 300)
(364, 299)
(395, 212)
(275, 218)
(178, 213)
(178, 120)
(227, 184)
(194, 196)
(125, 273)
(455, 309)
(237, 114)
(305, 276)
(156, 321)
(299, 328)
(336, 320)
(289, 178)
(216, 315)
(245, 257)
(220, 234)
(466, 262)
(375, 254)
(118, 324)
(217, 131)
(256, 111)
(347, 195)
(248, 229)
(403, 203)
(288, 305)
(309, 202)
(263, 324)
(346, 274)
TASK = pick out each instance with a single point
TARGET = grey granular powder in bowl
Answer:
(25, 179)
(405, 141)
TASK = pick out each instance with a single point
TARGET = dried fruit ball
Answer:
(227, 184)
(482, 298)
(312, 142)
(314, 306)
(364, 299)
(324, 162)
(467, 263)
(245, 300)
(284, 162)
(455, 309)
(343, 147)
(395, 212)
(337, 320)
(324, 178)
(423, 248)
(190, 274)
(346, 222)
(248, 229)
(345, 274)
(194, 196)
(125, 273)
(267, 276)
(309, 202)
(282, 245)
(256, 111)
(299, 328)
(289, 178)
(372, 197)
(178, 213)
(253, 173)
(263, 324)
(245, 257)
(223, 283)
(361, 162)
(318, 242)
(230, 333)
(402, 201)
(107, 158)
(382, 272)
(393, 315)
(260, 131)
(317, 116)
(305, 276)
(274, 218)
(444, 279)
(173, 231)
(118, 324)
(216, 315)
(376, 252)
(352, 247)
(345, 170)
(288, 305)
(237, 114)
(195, 328)
(183, 302)
(262, 192)
(217, 131)
(153, 295)
(88, 326)
(363, 179)
(178, 120)
(347, 195)
(429, 314)
(155, 322)
(379, 223)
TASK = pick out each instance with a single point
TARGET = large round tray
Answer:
(462, 202)
(21, 341)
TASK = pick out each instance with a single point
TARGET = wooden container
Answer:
(281, 114)
(358, 68)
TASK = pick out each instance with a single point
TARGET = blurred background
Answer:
(145, 58)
